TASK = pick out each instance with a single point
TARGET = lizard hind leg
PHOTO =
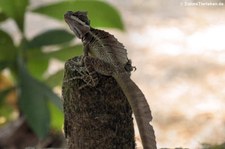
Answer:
(98, 65)
(128, 66)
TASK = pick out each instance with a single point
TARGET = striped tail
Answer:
(140, 109)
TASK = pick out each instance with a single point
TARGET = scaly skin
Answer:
(109, 57)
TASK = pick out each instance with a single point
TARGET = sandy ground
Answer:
(179, 52)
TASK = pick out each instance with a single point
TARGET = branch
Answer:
(96, 117)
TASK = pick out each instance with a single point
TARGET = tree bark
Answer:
(96, 117)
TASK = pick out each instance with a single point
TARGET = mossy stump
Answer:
(97, 117)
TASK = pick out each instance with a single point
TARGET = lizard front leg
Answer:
(89, 69)
(86, 73)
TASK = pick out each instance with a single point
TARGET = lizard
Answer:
(106, 55)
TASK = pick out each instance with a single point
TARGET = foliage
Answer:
(208, 146)
(27, 62)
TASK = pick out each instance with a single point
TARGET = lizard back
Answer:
(100, 40)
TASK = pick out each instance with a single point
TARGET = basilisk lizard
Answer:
(104, 54)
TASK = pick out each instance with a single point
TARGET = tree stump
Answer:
(97, 117)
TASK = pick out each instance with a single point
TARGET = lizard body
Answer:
(109, 57)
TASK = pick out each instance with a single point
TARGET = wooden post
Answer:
(96, 117)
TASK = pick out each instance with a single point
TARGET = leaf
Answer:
(7, 49)
(33, 102)
(100, 13)
(66, 53)
(5, 38)
(3, 64)
(55, 79)
(15, 9)
(5, 92)
(3, 16)
(57, 117)
(52, 97)
(37, 63)
(51, 37)
(6, 111)
(34, 105)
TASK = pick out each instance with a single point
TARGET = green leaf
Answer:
(3, 64)
(34, 104)
(55, 79)
(6, 111)
(7, 49)
(5, 38)
(15, 9)
(3, 16)
(51, 37)
(4, 93)
(100, 13)
(37, 63)
(52, 97)
(57, 117)
(66, 53)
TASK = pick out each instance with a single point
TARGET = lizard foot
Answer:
(85, 72)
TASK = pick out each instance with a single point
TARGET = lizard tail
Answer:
(140, 109)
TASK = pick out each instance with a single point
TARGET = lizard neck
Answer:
(104, 46)
(88, 37)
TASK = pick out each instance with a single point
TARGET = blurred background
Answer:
(177, 46)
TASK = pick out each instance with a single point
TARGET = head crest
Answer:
(82, 15)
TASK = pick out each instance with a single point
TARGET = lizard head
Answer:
(78, 22)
